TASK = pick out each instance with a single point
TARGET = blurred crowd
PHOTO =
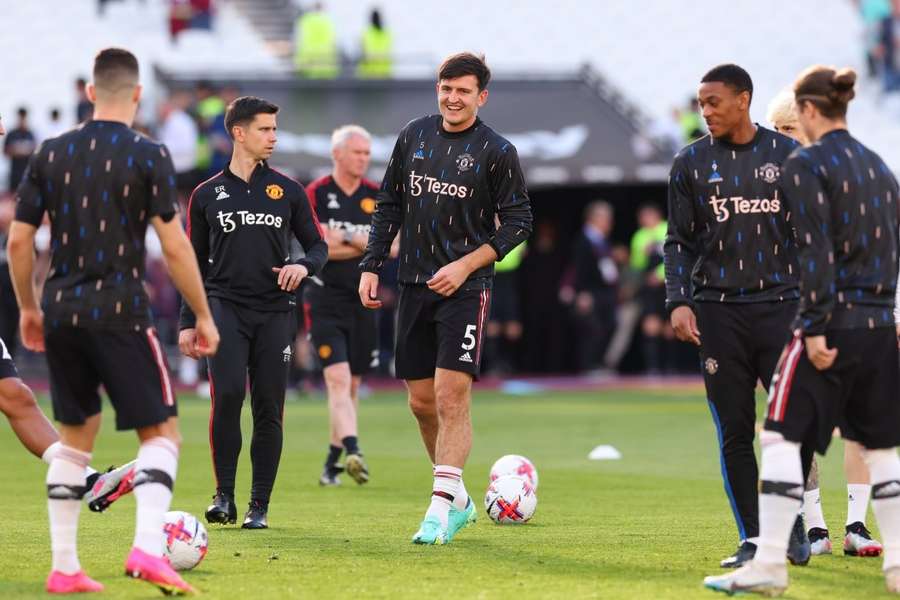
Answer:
(880, 19)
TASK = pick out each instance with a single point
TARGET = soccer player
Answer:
(40, 437)
(448, 176)
(240, 222)
(101, 185)
(344, 333)
(858, 541)
(731, 284)
(842, 364)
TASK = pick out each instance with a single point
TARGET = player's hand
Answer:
(290, 276)
(820, 355)
(368, 290)
(187, 343)
(207, 337)
(448, 278)
(684, 322)
(584, 303)
(898, 336)
(31, 324)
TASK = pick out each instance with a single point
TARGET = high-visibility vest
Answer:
(315, 54)
(512, 260)
(376, 59)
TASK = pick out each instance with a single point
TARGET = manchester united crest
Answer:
(712, 366)
(769, 172)
(464, 162)
(274, 191)
(367, 205)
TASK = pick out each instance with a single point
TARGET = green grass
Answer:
(648, 526)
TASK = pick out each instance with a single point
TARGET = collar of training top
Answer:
(456, 134)
(258, 171)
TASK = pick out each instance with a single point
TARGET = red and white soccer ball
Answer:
(186, 540)
(513, 464)
(510, 499)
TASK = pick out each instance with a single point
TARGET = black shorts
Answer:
(131, 365)
(860, 392)
(7, 366)
(435, 331)
(343, 330)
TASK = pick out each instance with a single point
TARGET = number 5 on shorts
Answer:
(469, 338)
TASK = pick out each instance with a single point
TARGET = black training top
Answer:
(352, 214)
(729, 237)
(241, 230)
(844, 201)
(100, 183)
(443, 190)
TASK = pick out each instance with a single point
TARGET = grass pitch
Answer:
(650, 525)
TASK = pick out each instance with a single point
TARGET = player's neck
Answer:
(242, 165)
(347, 182)
(826, 127)
(459, 126)
(118, 114)
(743, 133)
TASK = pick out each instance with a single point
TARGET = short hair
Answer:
(827, 88)
(465, 63)
(342, 134)
(731, 75)
(242, 111)
(782, 107)
(54, 113)
(115, 69)
(22, 112)
(598, 206)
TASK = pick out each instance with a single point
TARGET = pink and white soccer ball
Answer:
(513, 464)
(186, 540)
(510, 499)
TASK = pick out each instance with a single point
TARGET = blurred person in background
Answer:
(207, 107)
(218, 140)
(647, 260)
(344, 333)
(504, 328)
(54, 125)
(84, 108)
(178, 131)
(18, 146)
(316, 53)
(543, 314)
(377, 44)
(691, 121)
(878, 31)
(596, 278)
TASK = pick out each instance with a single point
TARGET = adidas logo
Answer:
(287, 353)
(887, 490)
(222, 195)
(419, 154)
(466, 357)
(332, 201)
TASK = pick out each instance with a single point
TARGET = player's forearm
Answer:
(20, 252)
(679, 260)
(316, 256)
(385, 225)
(185, 273)
(817, 298)
(483, 256)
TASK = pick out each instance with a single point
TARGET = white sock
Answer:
(65, 488)
(461, 499)
(51, 451)
(157, 464)
(857, 502)
(444, 492)
(884, 473)
(781, 490)
(812, 510)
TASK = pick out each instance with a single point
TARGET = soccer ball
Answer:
(513, 464)
(510, 499)
(186, 540)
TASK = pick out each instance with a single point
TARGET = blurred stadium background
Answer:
(596, 96)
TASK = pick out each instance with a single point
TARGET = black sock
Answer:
(334, 454)
(350, 444)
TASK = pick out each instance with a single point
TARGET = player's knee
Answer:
(338, 380)
(422, 406)
(16, 397)
(451, 401)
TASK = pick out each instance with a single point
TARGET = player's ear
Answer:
(744, 100)
(136, 95)
(482, 97)
(91, 93)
